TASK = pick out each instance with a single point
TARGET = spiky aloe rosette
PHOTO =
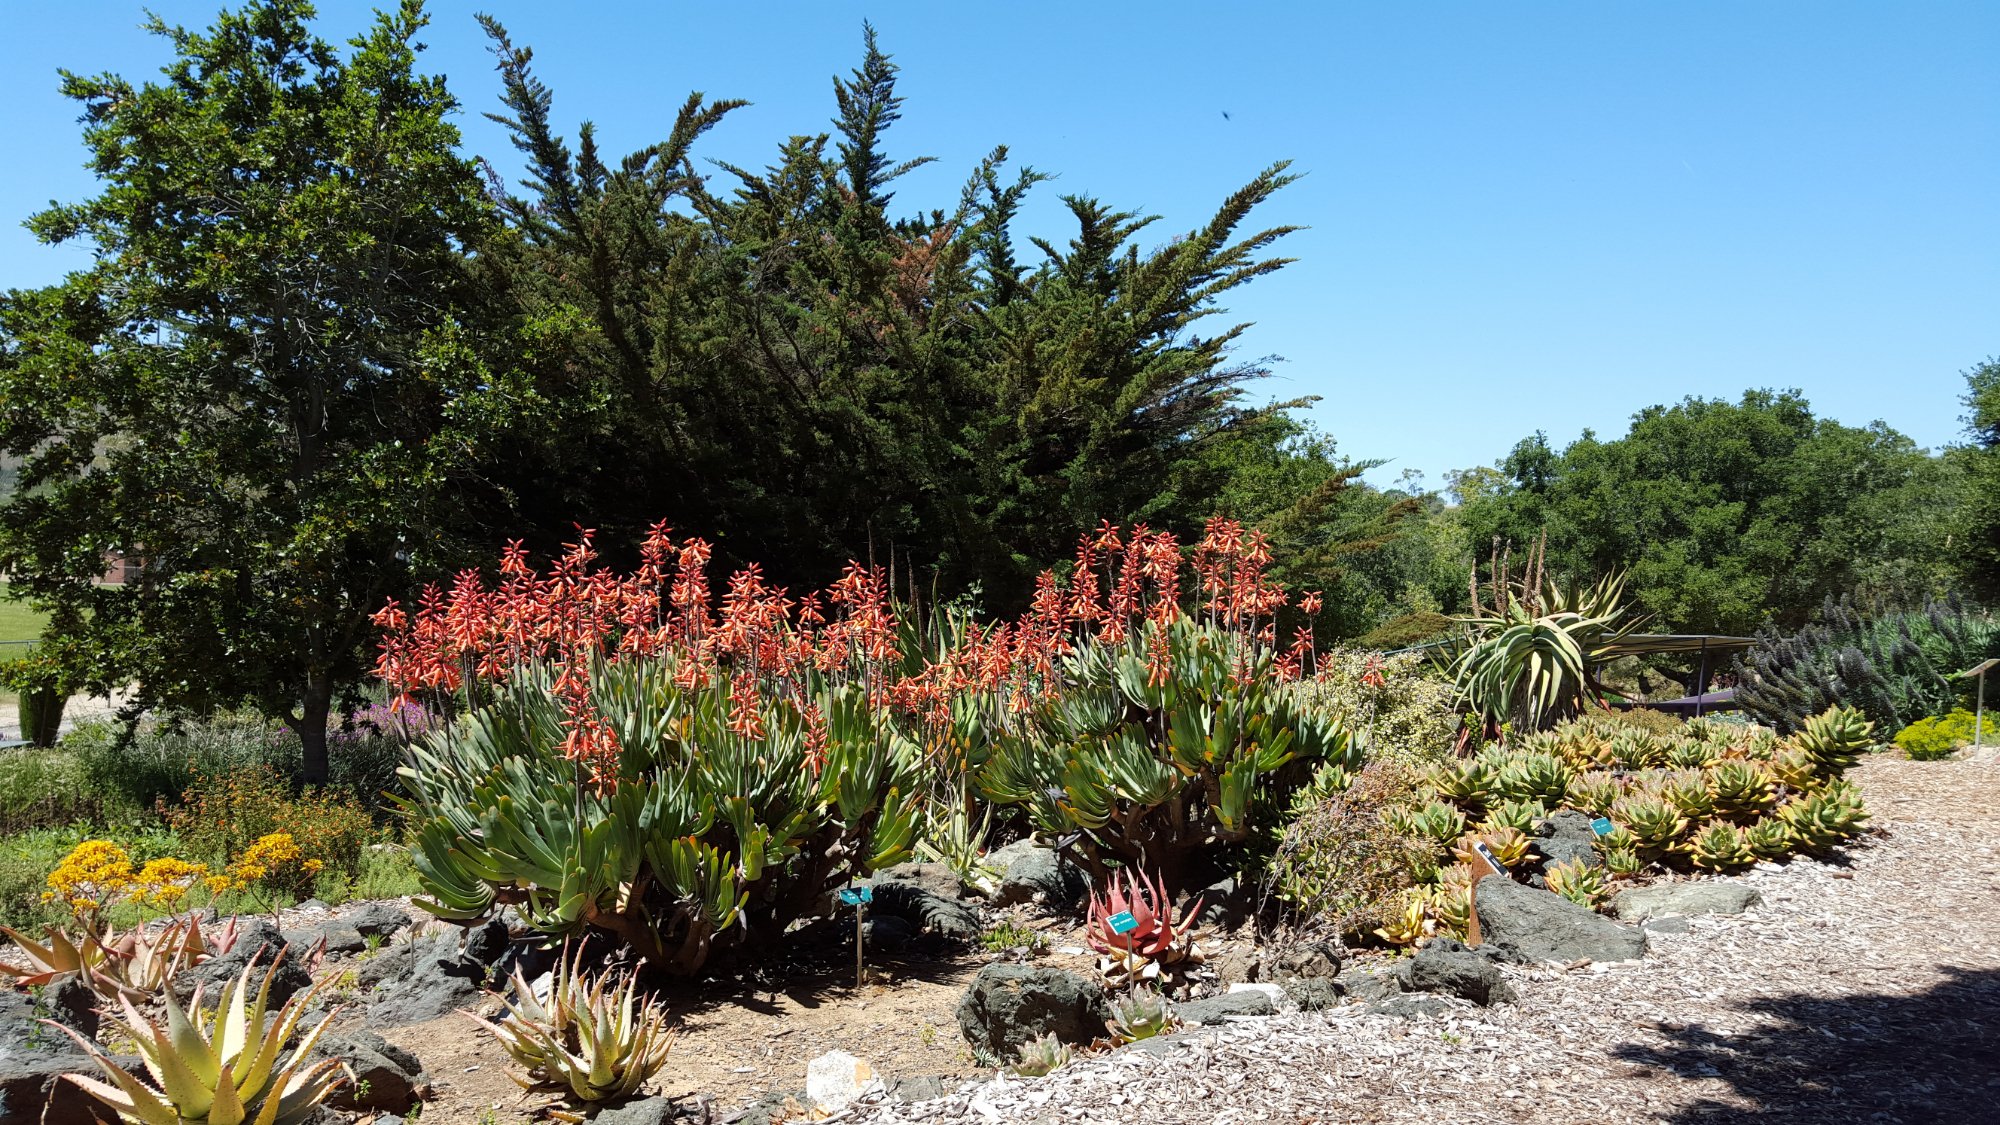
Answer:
(230, 1068)
(594, 1039)
(1157, 947)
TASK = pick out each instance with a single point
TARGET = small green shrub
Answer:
(1937, 737)
(221, 815)
(51, 788)
(160, 760)
(1349, 861)
(1398, 707)
(1404, 631)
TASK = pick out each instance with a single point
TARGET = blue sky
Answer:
(1522, 216)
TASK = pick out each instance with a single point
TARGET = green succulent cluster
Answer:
(1154, 771)
(1817, 822)
(1705, 795)
(705, 836)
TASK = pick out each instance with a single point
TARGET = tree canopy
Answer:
(1980, 462)
(263, 386)
(803, 367)
(1729, 515)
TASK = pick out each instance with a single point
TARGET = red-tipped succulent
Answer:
(1155, 944)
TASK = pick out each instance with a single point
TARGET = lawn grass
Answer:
(17, 621)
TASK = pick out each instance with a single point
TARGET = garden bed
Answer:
(1856, 988)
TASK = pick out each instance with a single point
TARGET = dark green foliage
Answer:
(1895, 667)
(263, 385)
(791, 369)
(1981, 463)
(1727, 516)
(1406, 631)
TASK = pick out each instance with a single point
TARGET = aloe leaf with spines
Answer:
(1468, 784)
(595, 1039)
(1518, 815)
(1041, 1056)
(1438, 822)
(1742, 789)
(1593, 792)
(1623, 862)
(1768, 838)
(1720, 846)
(1835, 739)
(1408, 923)
(1821, 820)
(1655, 823)
(1510, 846)
(1141, 1013)
(1689, 792)
(231, 1067)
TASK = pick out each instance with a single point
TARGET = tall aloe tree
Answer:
(1531, 656)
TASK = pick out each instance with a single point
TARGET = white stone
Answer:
(837, 1078)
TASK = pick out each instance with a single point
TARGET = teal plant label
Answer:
(855, 897)
(1602, 826)
(1123, 922)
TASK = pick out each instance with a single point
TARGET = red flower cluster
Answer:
(761, 643)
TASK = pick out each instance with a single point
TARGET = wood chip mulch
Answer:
(1865, 990)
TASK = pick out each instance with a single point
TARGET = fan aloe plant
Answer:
(703, 836)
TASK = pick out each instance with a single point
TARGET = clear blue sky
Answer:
(1522, 216)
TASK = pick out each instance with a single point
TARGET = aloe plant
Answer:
(593, 1040)
(229, 1069)
(705, 838)
(1154, 944)
(1155, 770)
(1139, 1014)
(1531, 658)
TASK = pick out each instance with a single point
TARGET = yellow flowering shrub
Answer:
(90, 878)
(164, 882)
(232, 815)
(98, 873)
(273, 862)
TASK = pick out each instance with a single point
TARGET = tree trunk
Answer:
(313, 712)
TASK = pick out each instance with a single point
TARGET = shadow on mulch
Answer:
(1931, 1056)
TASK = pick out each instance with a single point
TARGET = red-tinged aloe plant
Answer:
(1156, 945)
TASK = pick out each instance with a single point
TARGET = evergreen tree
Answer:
(1980, 526)
(795, 370)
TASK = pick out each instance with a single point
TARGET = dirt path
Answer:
(1868, 991)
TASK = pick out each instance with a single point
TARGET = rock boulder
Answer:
(1530, 926)
(1008, 1005)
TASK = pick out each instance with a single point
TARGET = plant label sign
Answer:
(1123, 922)
(1602, 826)
(1486, 854)
(857, 896)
